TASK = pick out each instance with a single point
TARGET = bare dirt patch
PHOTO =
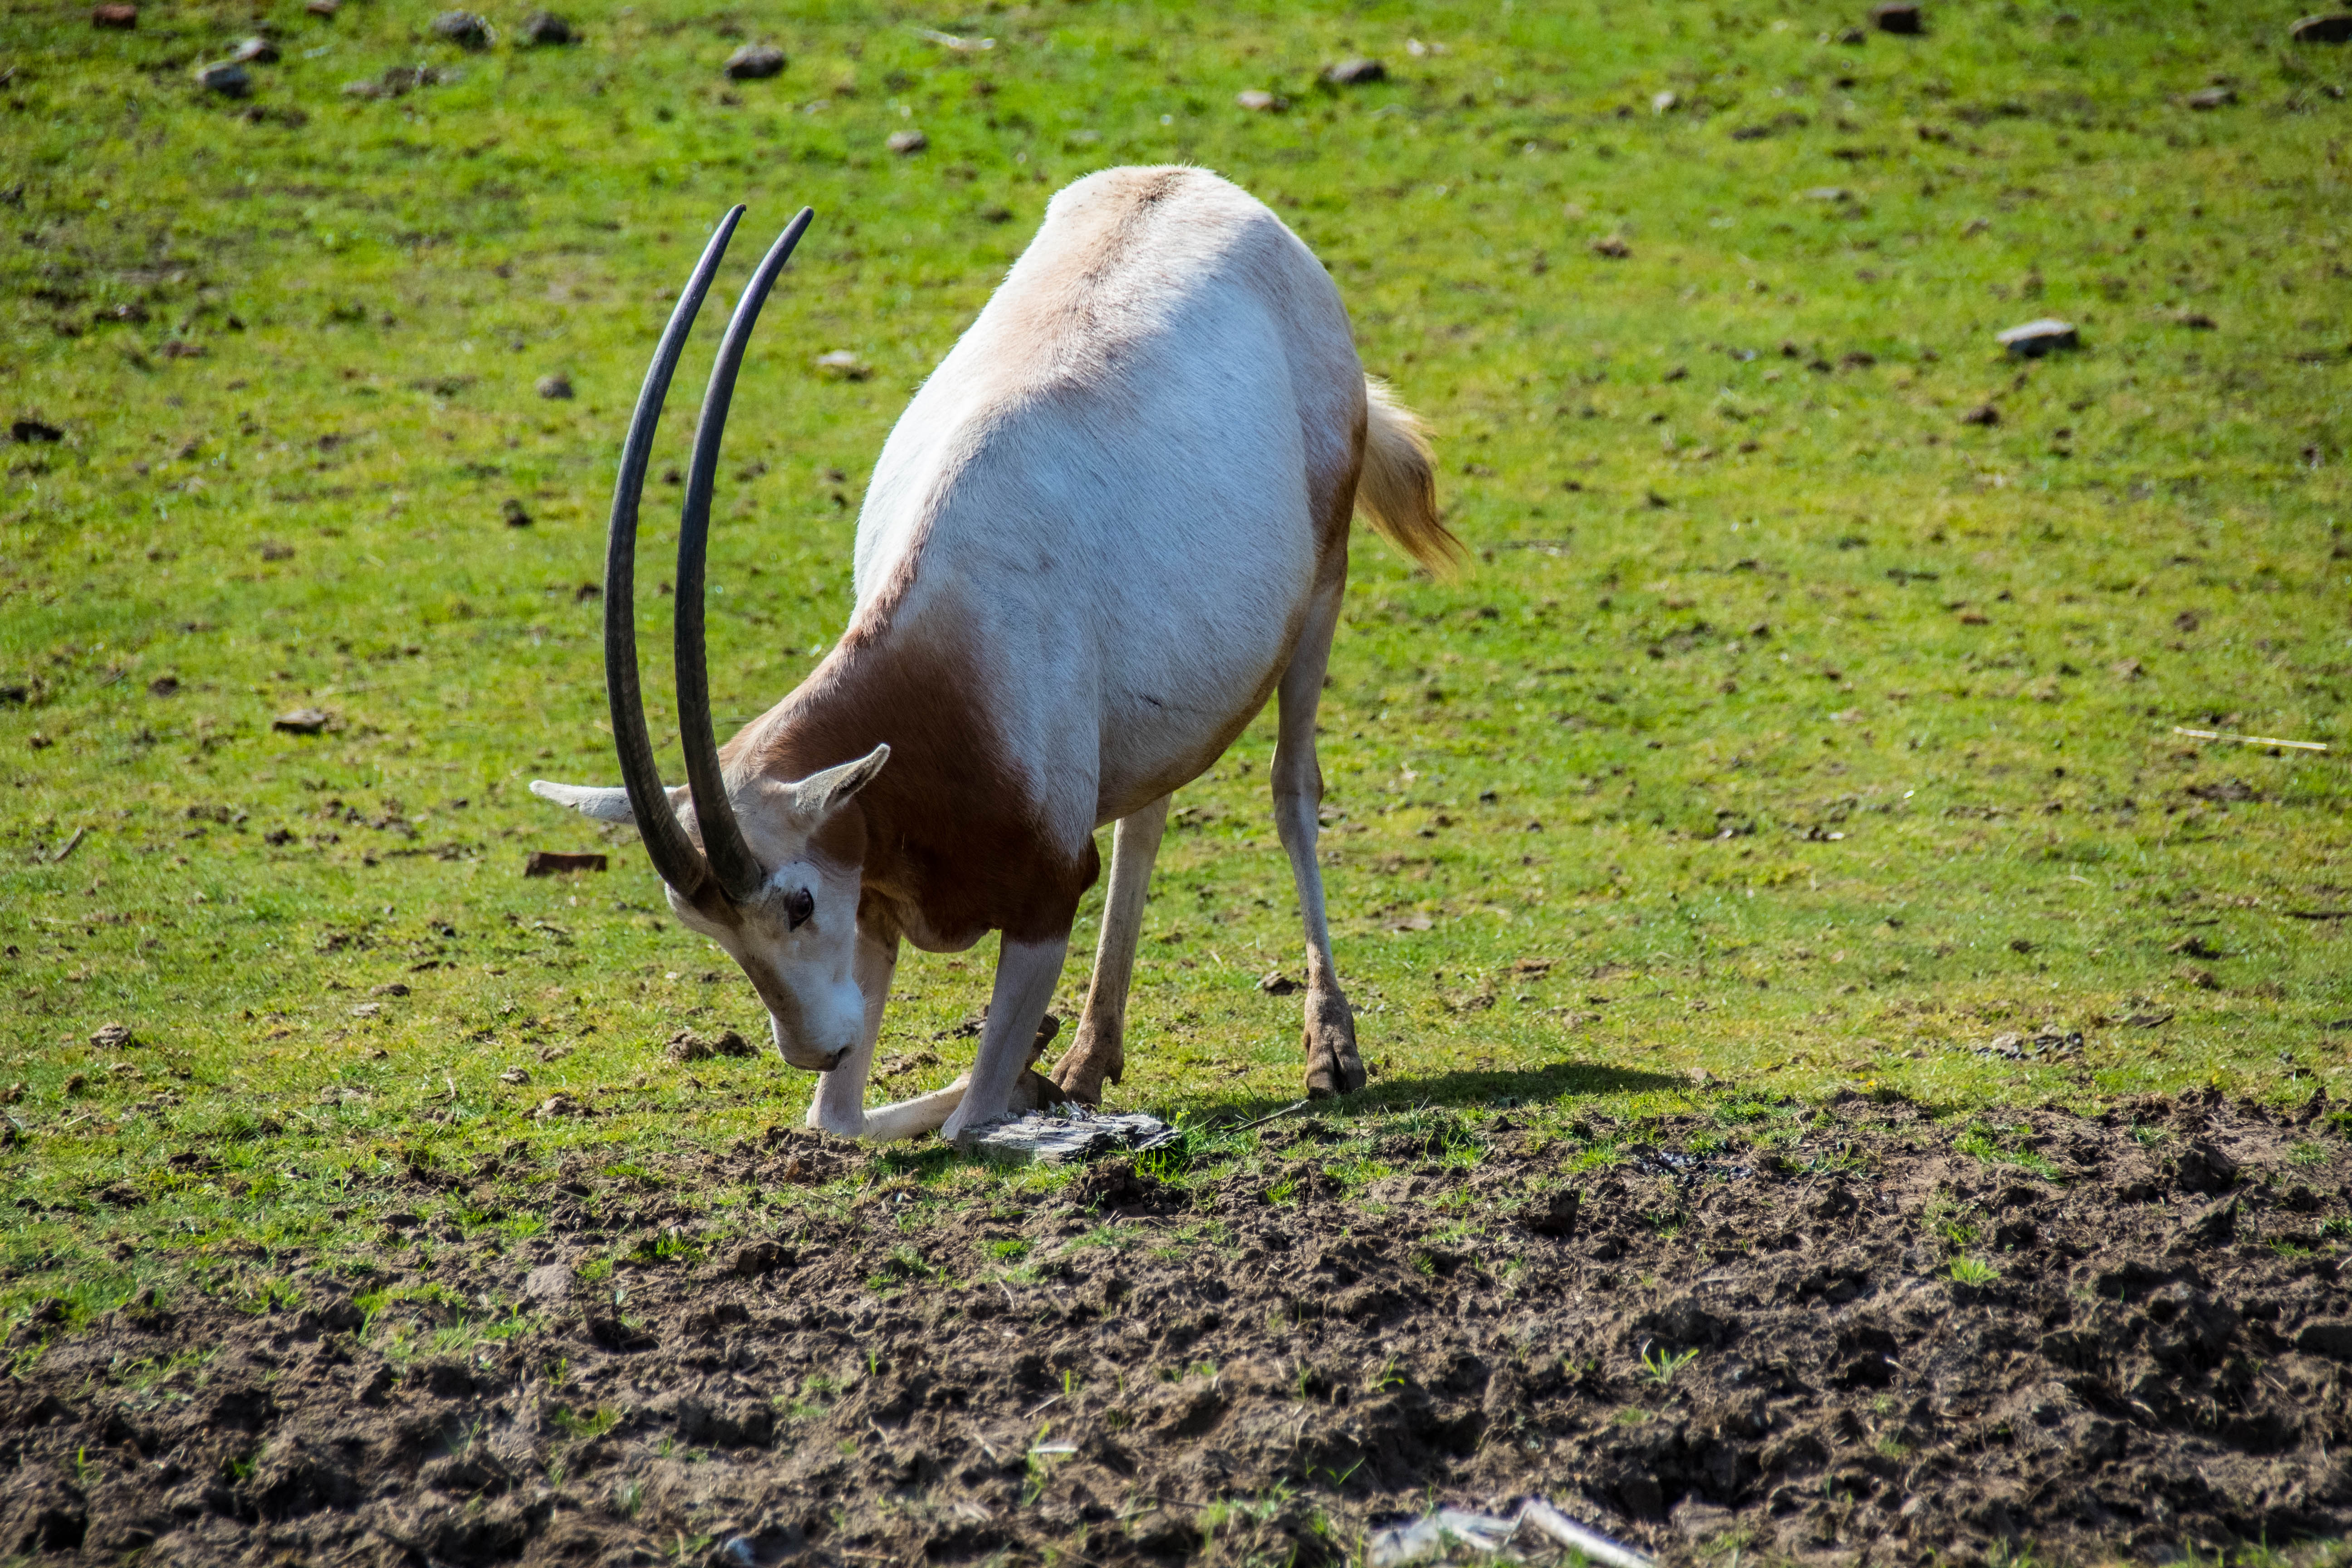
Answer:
(1712, 1338)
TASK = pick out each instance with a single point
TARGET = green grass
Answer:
(1972, 1271)
(1660, 1365)
(1786, 730)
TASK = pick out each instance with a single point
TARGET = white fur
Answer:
(1155, 558)
(1109, 514)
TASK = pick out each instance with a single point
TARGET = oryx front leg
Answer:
(1100, 1053)
(1332, 1065)
(839, 1105)
(1026, 972)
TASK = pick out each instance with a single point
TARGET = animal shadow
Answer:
(1487, 1087)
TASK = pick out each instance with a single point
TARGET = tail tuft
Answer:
(1398, 489)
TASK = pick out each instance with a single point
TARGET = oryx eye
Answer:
(799, 904)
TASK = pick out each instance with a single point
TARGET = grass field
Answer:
(1789, 732)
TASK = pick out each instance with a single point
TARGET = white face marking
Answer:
(796, 945)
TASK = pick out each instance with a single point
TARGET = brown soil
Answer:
(2160, 1364)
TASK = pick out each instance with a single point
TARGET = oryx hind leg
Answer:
(1100, 1053)
(1329, 1035)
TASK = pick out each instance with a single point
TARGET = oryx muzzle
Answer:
(725, 867)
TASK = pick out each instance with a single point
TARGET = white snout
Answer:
(831, 1022)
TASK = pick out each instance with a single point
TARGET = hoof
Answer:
(1328, 1080)
(1333, 1068)
(1034, 1091)
(1080, 1075)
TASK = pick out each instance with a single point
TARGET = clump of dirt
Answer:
(1898, 1338)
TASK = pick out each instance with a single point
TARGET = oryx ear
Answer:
(588, 800)
(818, 795)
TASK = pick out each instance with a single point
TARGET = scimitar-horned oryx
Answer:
(1110, 523)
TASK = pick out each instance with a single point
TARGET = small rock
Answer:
(323, 8)
(226, 78)
(367, 1009)
(1897, 16)
(514, 513)
(30, 431)
(1664, 102)
(1276, 983)
(1982, 413)
(555, 862)
(1826, 194)
(1355, 72)
(2331, 27)
(1074, 1139)
(962, 46)
(256, 50)
(1613, 247)
(756, 62)
(518, 1077)
(1257, 100)
(113, 1037)
(2212, 98)
(549, 1283)
(556, 388)
(2035, 338)
(547, 28)
(301, 721)
(907, 143)
(127, 17)
(463, 28)
(844, 365)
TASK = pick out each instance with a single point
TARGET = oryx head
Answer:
(769, 868)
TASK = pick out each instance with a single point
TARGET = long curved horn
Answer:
(672, 852)
(731, 861)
